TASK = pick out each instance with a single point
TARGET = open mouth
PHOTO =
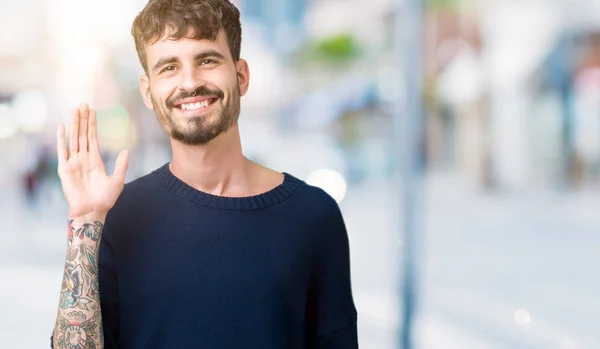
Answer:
(195, 104)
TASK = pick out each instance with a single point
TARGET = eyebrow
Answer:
(164, 61)
(199, 56)
(207, 54)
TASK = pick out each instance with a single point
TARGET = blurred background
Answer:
(472, 216)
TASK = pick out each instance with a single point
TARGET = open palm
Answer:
(85, 183)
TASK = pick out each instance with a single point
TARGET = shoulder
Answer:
(314, 202)
(140, 190)
(321, 219)
(133, 192)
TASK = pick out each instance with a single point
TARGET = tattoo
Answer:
(91, 268)
(79, 321)
(70, 232)
(77, 315)
(76, 335)
(91, 230)
(72, 285)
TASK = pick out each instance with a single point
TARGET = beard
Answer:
(199, 130)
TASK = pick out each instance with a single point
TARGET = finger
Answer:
(74, 133)
(93, 133)
(61, 144)
(121, 165)
(84, 112)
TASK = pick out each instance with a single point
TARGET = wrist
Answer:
(86, 229)
(87, 217)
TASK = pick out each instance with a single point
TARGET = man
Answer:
(210, 250)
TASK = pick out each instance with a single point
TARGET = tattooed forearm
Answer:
(91, 230)
(76, 332)
(79, 321)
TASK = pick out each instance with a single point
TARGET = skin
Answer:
(202, 165)
(207, 155)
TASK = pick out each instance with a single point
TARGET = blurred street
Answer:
(495, 105)
(484, 257)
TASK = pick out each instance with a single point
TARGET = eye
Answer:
(208, 61)
(168, 68)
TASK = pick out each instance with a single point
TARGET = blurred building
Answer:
(281, 22)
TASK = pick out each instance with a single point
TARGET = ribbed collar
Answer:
(256, 202)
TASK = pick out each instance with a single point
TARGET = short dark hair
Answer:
(203, 17)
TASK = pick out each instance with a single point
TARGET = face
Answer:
(194, 86)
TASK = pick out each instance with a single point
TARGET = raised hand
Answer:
(89, 190)
(90, 193)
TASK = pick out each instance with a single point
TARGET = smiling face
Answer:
(194, 86)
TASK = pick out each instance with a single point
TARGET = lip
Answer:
(192, 100)
(195, 100)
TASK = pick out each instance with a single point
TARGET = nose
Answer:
(191, 78)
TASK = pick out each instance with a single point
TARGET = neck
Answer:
(217, 168)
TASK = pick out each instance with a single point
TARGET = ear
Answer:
(243, 74)
(145, 90)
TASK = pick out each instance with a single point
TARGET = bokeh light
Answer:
(8, 126)
(115, 128)
(30, 111)
(332, 182)
(522, 317)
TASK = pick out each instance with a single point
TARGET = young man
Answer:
(210, 250)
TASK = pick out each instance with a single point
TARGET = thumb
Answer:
(121, 165)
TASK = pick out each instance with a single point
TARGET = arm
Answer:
(90, 194)
(79, 319)
(332, 311)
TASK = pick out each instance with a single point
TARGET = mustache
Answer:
(200, 91)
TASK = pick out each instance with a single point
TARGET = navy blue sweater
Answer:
(180, 268)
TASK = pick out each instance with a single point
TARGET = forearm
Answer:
(79, 319)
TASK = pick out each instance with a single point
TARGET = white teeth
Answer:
(194, 106)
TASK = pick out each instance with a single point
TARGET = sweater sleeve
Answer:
(109, 287)
(331, 313)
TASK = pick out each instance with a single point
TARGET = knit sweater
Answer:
(181, 268)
